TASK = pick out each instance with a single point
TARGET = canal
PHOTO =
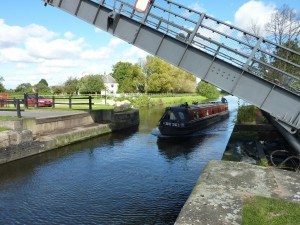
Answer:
(129, 177)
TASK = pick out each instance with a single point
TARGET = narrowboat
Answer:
(186, 119)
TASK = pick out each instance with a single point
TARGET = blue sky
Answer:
(44, 42)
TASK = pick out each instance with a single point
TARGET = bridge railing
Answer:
(259, 56)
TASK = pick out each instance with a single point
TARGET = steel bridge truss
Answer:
(245, 65)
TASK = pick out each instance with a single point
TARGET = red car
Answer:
(42, 101)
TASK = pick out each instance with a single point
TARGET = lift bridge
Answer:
(250, 67)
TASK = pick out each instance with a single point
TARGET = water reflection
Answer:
(173, 148)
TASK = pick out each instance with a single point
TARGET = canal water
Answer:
(129, 177)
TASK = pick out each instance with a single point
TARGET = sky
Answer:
(38, 42)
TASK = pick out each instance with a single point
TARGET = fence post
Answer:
(18, 108)
(15, 102)
(53, 102)
(26, 100)
(36, 99)
(70, 102)
(90, 103)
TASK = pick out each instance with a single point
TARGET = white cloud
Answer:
(133, 53)
(16, 55)
(98, 54)
(11, 36)
(30, 53)
(69, 35)
(254, 12)
(55, 49)
(114, 42)
(197, 7)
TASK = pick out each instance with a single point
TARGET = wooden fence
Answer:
(5, 104)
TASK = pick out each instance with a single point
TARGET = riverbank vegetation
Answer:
(249, 114)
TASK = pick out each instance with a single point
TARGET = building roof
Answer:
(108, 79)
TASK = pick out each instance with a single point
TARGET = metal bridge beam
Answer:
(282, 104)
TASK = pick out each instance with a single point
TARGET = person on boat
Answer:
(223, 100)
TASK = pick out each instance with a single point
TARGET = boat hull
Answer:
(192, 127)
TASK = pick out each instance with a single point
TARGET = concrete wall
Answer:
(118, 121)
(31, 136)
(52, 124)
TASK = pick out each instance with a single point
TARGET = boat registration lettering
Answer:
(171, 124)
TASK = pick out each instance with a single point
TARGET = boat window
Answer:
(172, 116)
(169, 115)
(196, 115)
(181, 115)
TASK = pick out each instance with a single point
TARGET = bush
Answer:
(246, 114)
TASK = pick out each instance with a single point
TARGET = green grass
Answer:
(268, 211)
(4, 129)
(5, 118)
(179, 99)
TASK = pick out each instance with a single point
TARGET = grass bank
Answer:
(269, 211)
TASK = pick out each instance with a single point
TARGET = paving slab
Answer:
(217, 197)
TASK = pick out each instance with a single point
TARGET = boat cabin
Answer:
(184, 113)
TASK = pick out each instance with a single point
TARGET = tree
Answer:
(284, 26)
(91, 84)
(283, 29)
(154, 65)
(129, 76)
(207, 90)
(42, 87)
(57, 89)
(172, 78)
(24, 88)
(183, 82)
(71, 86)
(160, 83)
(294, 45)
(2, 88)
(44, 82)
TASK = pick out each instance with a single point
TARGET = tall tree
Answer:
(2, 88)
(284, 25)
(172, 79)
(160, 83)
(71, 85)
(207, 90)
(91, 84)
(129, 76)
(24, 88)
(42, 87)
(57, 89)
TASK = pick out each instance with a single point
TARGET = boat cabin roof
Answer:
(183, 107)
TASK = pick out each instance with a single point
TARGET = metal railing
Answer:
(257, 55)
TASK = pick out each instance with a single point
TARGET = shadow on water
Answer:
(27, 166)
(174, 148)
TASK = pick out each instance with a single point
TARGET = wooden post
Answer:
(18, 108)
(70, 102)
(53, 102)
(26, 100)
(36, 100)
(90, 103)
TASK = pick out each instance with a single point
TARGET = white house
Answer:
(110, 84)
